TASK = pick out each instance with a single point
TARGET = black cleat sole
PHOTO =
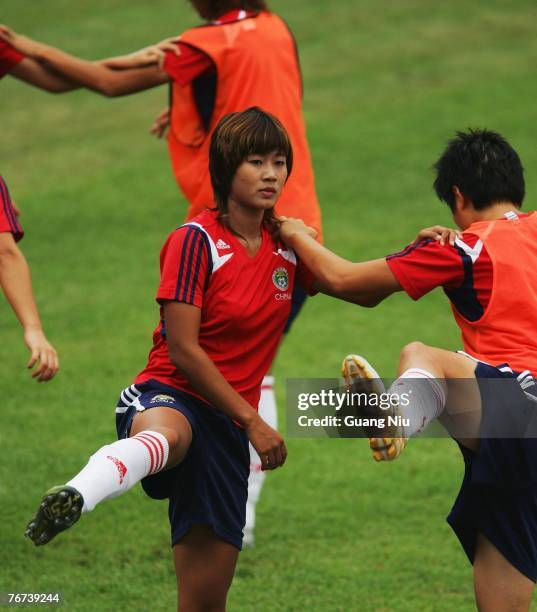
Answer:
(60, 509)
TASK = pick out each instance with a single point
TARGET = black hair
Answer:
(212, 9)
(485, 168)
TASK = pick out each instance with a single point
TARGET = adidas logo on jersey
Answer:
(222, 245)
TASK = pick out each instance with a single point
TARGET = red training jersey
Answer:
(245, 302)
(8, 218)
(490, 284)
(465, 276)
(9, 58)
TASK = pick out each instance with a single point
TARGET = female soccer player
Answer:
(16, 284)
(243, 55)
(224, 298)
(485, 395)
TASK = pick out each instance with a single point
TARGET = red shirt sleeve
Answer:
(184, 267)
(8, 218)
(426, 264)
(9, 58)
(188, 65)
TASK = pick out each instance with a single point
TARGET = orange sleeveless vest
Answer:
(507, 331)
(257, 65)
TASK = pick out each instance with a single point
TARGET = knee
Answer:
(414, 349)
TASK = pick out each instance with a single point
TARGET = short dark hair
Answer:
(485, 168)
(237, 135)
(211, 9)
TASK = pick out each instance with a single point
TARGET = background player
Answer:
(490, 278)
(193, 408)
(16, 284)
(242, 56)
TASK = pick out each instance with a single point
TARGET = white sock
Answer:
(117, 467)
(269, 413)
(426, 398)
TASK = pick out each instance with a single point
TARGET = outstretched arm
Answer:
(32, 72)
(366, 283)
(93, 75)
(16, 283)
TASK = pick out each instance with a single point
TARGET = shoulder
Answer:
(207, 223)
(282, 250)
(469, 246)
(417, 248)
(193, 234)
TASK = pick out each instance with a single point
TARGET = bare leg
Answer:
(173, 425)
(499, 587)
(457, 375)
(204, 565)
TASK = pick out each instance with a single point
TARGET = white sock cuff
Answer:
(268, 381)
(436, 386)
(157, 446)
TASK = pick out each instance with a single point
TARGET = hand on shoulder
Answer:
(290, 227)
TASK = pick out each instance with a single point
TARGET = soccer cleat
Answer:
(60, 509)
(387, 449)
(360, 377)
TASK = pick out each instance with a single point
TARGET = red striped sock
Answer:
(117, 467)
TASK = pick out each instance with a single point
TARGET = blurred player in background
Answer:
(184, 425)
(16, 284)
(489, 274)
(242, 56)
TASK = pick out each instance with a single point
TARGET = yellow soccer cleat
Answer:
(388, 442)
(360, 376)
(387, 449)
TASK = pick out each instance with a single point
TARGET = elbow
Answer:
(336, 282)
(109, 86)
(106, 87)
(369, 302)
(183, 358)
(177, 357)
(59, 88)
(8, 252)
(9, 256)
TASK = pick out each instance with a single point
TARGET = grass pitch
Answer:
(386, 85)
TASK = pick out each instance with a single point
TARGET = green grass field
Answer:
(386, 85)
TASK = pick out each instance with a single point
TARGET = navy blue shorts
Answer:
(498, 495)
(210, 486)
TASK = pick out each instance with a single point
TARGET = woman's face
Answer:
(259, 180)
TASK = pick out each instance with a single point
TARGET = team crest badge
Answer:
(280, 279)
(165, 399)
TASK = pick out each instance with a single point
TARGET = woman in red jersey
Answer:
(185, 423)
(242, 55)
